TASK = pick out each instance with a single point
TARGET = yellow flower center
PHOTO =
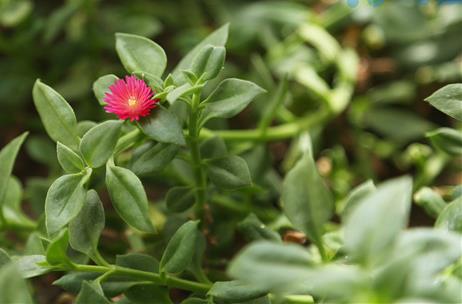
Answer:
(132, 102)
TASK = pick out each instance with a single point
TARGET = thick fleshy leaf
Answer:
(179, 199)
(7, 158)
(209, 62)
(4, 258)
(99, 142)
(85, 229)
(289, 268)
(430, 200)
(68, 159)
(195, 301)
(356, 195)
(101, 87)
(91, 294)
(447, 140)
(448, 100)
(229, 98)
(418, 257)
(163, 126)
(451, 216)
(217, 38)
(13, 287)
(128, 197)
(148, 293)
(152, 158)
(64, 200)
(57, 249)
(253, 229)
(11, 205)
(229, 172)
(384, 121)
(29, 265)
(372, 227)
(269, 265)
(213, 147)
(180, 249)
(56, 114)
(236, 291)
(138, 261)
(140, 54)
(306, 200)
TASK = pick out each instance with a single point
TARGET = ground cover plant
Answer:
(305, 173)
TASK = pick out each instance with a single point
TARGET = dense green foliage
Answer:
(324, 167)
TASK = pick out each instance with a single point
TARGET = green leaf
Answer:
(229, 98)
(85, 229)
(57, 249)
(305, 198)
(179, 199)
(451, 216)
(417, 259)
(372, 227)
(64, 200)
(138, 261)
(148, 293)
(430, 200)
(448, 100)
(56, 114)
(153, 81)
(195, 267)
(217, 38)
(184, 90)
(14, 288)
(236, 291)
(99, 142)
(7, 158)
(229, 172)
(4, 258)
(180, 249)
(163, 126)
(385, 121)
(447, 140)
(209, 61)
(11, 205)
(68, 159)
(30, 265)
(356, 195)
(195, 301)
(270, 265)
(85, 125)
(91, 294)
(253, 230)
(34, 244)
(128, 197)
(101, 87)
(152, 158)
(140, 54)
(213, 147)
(289, 269)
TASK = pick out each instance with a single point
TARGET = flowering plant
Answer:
(353, 248)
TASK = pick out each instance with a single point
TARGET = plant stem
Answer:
(98, 259)
(194, 130)
(274, 133)
(155, 278)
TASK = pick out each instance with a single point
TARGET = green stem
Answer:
(280, 132)
(98, 259)
(155, 278)
(199, 174)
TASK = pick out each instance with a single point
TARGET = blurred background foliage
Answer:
(299, 51)
(405, 52)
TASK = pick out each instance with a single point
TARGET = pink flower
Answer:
(130, 98)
